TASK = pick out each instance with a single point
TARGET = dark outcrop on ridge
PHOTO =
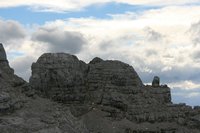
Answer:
(66, 95)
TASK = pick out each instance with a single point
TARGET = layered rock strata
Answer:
(22, 111)
(66, 95)
(113, 91)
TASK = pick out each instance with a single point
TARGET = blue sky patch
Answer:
(13, 54)
(26, 15)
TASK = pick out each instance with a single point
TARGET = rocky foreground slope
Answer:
(66, 95)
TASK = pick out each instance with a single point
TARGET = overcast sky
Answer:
(156, 37)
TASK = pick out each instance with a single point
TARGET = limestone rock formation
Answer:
(9, 101)
(60, 77)
(66, 95)
(22, 111)
(110, 97)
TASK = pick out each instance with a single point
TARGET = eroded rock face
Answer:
(22, 111)
(63, 77)
(66, 95)
(108, 94)
(9, 100)
(60, 77)
(110, 81)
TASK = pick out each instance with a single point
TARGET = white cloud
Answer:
(125, 37)
(76, 5)
(185, 85)
(195, 31)
(22, 65)
(158, 2)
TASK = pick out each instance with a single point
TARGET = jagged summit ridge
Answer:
(110, 85)
(66, 95)
(65, 74)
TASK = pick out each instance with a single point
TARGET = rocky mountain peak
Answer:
(64, 77)
(96, 60)
(66, 95)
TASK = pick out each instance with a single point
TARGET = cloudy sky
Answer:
(156, 37)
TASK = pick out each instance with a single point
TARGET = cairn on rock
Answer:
(156, 81)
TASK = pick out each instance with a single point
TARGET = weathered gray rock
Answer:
(60, 77)
(66, 95)
(5, 103)
(22, 111)
(2, 53)
(109, 82)
(108, 92)
(4, 66)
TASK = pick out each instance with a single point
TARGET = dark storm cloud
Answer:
(153, 35)
(195, 33)
(60, 40)
(10, 31)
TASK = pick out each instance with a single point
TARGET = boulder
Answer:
(156, 81)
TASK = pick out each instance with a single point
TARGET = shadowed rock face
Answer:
(2, 53)
(4, 65)
(60, 77)
(22, 111)
(109, 96)
(64, 78)
(9, 101)
(66, 95)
